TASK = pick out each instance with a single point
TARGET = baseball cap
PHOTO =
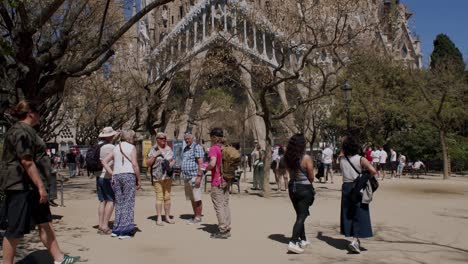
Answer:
(218, 132)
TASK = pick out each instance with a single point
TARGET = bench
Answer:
(235, 181)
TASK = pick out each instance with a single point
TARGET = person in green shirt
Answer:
(24, 177)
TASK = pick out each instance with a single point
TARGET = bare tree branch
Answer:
(45, 14)
(103, 22)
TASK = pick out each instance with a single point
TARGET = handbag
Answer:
(360, 183)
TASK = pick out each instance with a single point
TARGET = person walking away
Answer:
(281, 170)
(327, 160)
(355, 218)
(77, 163)
(126, 180)
(257, 157)
(382, 162)
(375, 159)
(301, 189)
(192, 171)
(71, 163)
(219, 186)
(393, 163)
(104, 190)
(274, 165)
(24, 176)
(161, 160)
(401, 165)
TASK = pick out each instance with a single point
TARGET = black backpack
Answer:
(93, 159)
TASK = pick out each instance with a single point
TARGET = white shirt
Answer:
(103, 153)
(255, 155)
(383, 157)
(121, 163)
(402, 159)
(327, 156)
(392, 155)
(417, 165)
(274, 156)
(349, 174)
(375, 154)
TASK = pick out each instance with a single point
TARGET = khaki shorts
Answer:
(192, 193)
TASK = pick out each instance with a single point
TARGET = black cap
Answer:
(218, 132)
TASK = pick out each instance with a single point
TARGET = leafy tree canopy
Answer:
(446, 54)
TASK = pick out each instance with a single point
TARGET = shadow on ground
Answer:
(279, 238)
(186, 216)
(338, 243)
(209, 228)
(37, 257)
(153, 218)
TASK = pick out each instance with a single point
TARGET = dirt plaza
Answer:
(414, 221)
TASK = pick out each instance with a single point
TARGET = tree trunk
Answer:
(445, 154)
(267, 162)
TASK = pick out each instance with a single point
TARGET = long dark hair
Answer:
(294, 152)
(350, 146)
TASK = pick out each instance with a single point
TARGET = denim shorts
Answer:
(327, 166)
(104, 189)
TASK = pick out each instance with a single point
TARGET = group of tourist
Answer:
(27, 179)
(121, 178)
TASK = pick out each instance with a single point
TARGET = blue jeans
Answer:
(71, 169)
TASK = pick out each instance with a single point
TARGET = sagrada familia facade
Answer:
(179, 36)
(282, 36)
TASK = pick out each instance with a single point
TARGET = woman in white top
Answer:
(355, 217)
(125, 181)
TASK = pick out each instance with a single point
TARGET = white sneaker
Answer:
(193, 221)
(304, 243)
(124, 237)
(354, 247)
(114, 235)
(295, 248)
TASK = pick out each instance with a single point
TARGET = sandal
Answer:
(170, 221)
(107, 231)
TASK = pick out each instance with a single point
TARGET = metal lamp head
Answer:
(347, 90)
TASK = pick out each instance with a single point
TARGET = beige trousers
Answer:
(220, 198)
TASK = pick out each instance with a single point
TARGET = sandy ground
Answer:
(414, 221)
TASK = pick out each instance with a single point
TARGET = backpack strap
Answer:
(121, 151)
(350, 163)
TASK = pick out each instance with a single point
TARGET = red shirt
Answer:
(368, 155)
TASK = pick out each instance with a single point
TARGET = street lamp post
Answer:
(347, 97)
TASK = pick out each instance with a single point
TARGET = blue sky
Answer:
(432, 17)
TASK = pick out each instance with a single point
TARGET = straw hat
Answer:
(107, 132)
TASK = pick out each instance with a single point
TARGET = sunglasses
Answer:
(161, 138)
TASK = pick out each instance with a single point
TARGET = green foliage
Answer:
(218, 99)
(446, 54)
(421, 142)
(5, 47)
(378, 88)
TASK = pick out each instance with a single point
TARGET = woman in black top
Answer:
(301, 190)
(26, 167)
